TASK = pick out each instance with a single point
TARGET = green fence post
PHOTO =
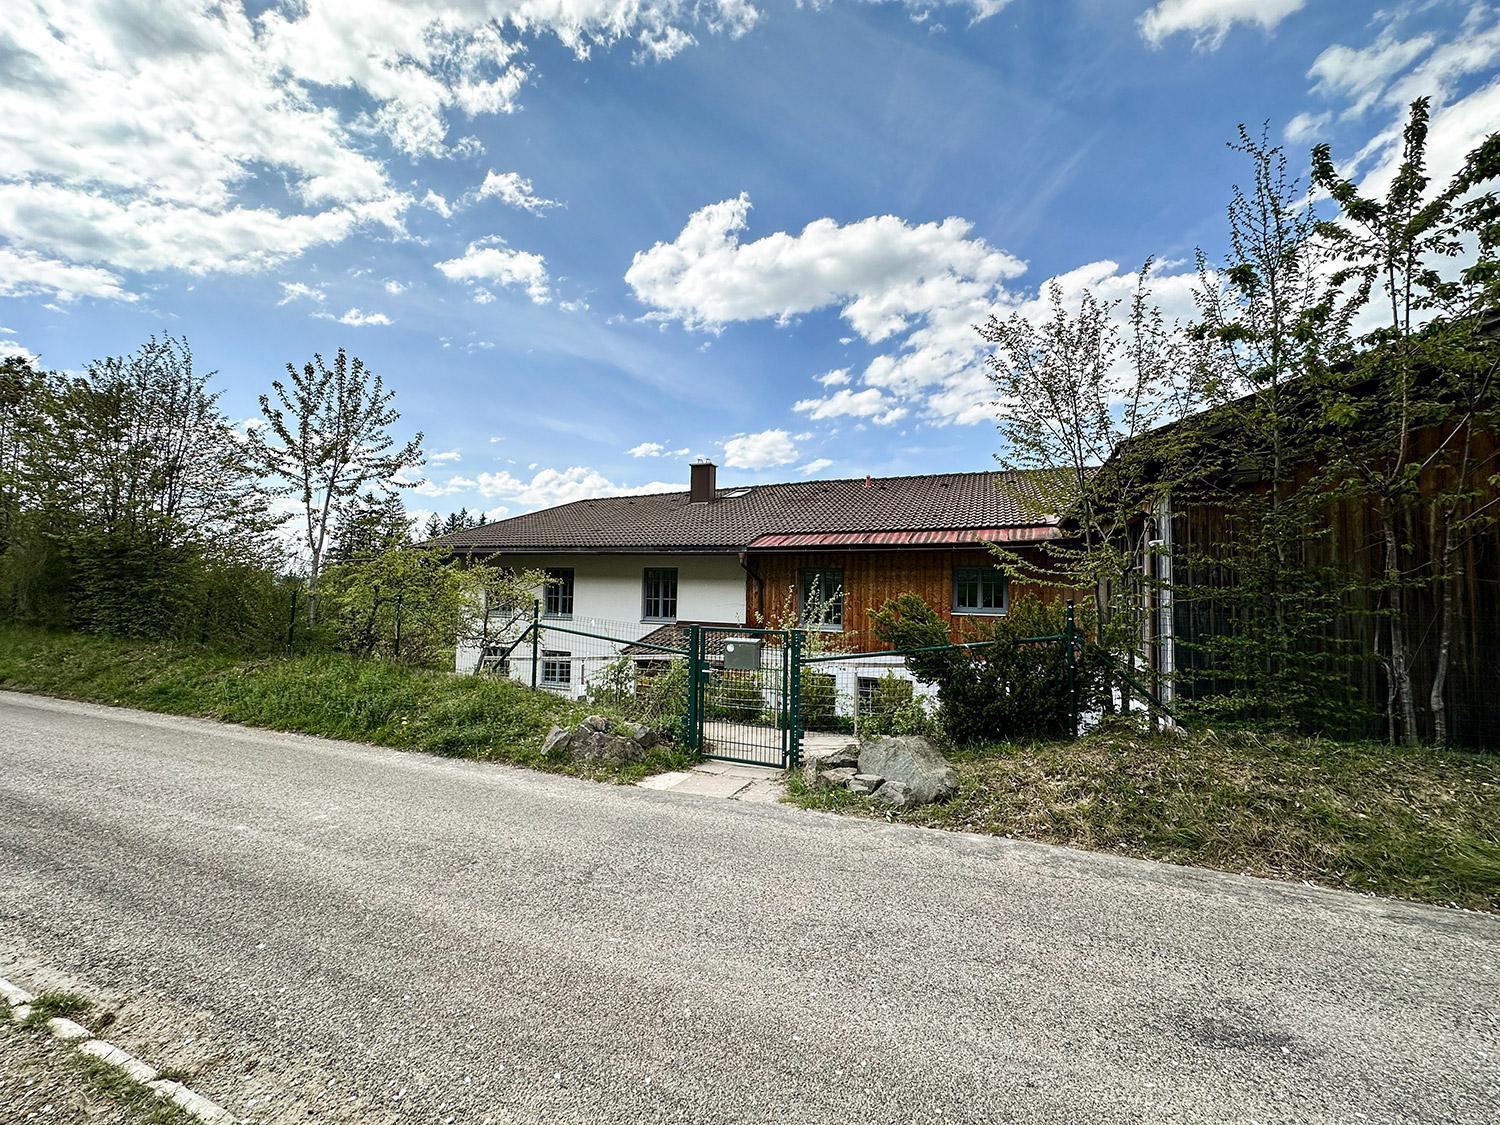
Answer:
(794, 692)
(396, 642)
(536, 614)
(691, 731)
(291, 625)
(1069, 639)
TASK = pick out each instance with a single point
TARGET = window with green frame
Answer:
(978, 589)
(821, 599)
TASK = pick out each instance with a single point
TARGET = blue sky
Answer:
(587, 240)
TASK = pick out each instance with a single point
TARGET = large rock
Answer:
(896, 793)
(911, 761)
(835, 779)
(557, 741)
(818, 761)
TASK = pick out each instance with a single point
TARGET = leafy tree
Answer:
(327, 439)
(1427, 369)
(1076, 395)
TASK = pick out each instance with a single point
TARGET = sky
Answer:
(587, 241)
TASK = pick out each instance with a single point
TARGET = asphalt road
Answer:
(358, 934)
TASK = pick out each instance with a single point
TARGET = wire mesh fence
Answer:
(746, 708)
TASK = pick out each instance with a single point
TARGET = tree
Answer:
(1266, 331)
(1076, 393)
(327, 438)
(1423, 371)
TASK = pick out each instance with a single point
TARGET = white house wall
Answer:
(607, 593)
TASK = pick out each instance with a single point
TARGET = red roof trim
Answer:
(944, 538)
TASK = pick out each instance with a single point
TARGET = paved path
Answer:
(427, 940)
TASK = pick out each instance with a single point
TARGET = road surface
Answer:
(350, 933)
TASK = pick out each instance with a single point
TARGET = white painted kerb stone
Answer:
(121, 1060)
(196, 1104)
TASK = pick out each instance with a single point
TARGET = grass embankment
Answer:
(335, 696)
(1416, 824)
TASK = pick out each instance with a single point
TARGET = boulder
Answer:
(639, 733)
(912, 761)
(815, 762)
(896, 793)
(597, 723)
(835, 779)
(864, 783)
(601, 748)
(556, 741)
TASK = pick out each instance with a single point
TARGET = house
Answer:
(818, 553)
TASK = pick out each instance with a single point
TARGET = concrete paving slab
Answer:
(709, 785)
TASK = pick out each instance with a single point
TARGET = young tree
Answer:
(327, 438)
(1076, 393)
(1266, 331)
(1403, 415)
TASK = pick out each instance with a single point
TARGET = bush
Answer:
(1006, 690)
(819, 701)
(895, 708)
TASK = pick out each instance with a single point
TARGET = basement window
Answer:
(557, 669)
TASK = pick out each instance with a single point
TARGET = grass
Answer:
(1421, 825)
(57, 1005)
(335, 696)
(140, 1102)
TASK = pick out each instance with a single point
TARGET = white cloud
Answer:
(762, 450)
(1210, 21)
(396, 288)
(200, 136)
(483, 261)
(560, 486)
(435, 202)
(1306, 126)
(446, 456)
(917, 289)
(299, 291)
(647, 449)
(834, 378)
(24, 274)
(11, 349)
(514, 190)
(817, 465)
(1361, 75)
(356, 318)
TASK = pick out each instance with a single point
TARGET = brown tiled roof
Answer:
(668, 522)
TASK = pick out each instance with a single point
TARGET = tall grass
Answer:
(336, 696)
(1419, 824)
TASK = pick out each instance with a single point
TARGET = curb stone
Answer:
(211, 1113)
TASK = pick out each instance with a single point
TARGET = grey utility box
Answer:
(741, 654)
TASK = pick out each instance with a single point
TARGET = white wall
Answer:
(607, 593)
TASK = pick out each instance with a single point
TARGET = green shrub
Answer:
(895, 708)
(733, 697)
(1006, 690)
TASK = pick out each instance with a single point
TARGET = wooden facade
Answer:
(870, 579)
(1350, 545)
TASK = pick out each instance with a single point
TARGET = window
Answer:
(559, 592)
(822, 594)
(867, 691)
(659, 594)
(978, 589)
(557, 669)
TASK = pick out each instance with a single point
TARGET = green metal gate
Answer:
(742, 694)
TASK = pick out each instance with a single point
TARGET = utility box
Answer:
(742, 654)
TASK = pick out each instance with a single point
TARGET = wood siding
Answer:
(871, 578)
(1353, 544)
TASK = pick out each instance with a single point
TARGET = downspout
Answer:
(760, 588)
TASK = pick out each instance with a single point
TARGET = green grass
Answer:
(57, 1005)
(336, 696)
(1422, 825)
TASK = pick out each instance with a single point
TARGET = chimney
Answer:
(704, 481)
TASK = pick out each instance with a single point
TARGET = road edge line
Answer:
(80, 1038)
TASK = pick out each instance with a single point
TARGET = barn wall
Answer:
(1353, 543)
